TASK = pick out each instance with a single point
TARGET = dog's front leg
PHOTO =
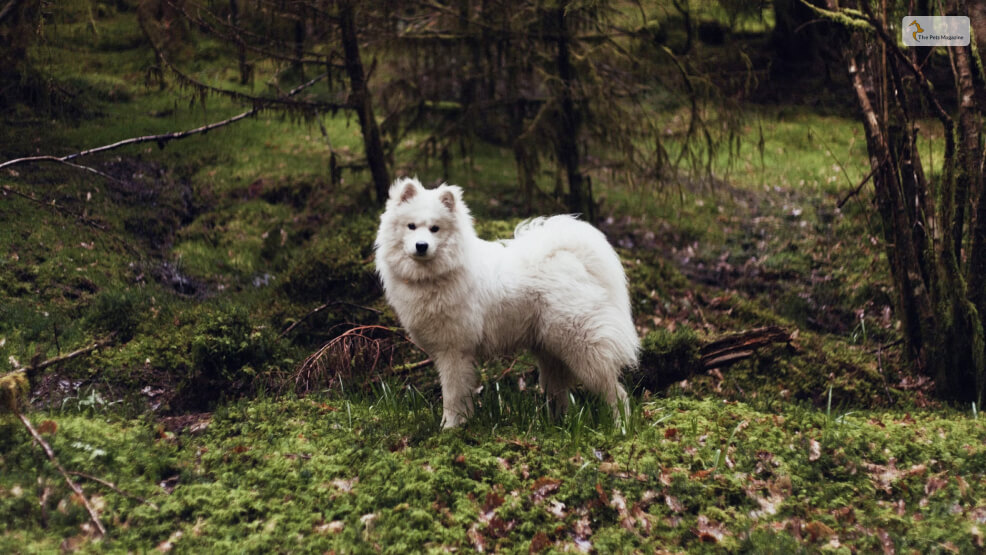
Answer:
(459, 381)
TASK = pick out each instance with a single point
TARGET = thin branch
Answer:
(63, 358)
(318, 309)
(858, 188)
(8, 9)
(113, 487)
(57, 208)
(54, 461)
(161, 139)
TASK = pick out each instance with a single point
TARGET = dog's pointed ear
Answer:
(450, 195)
(448, 199)
(404, 189)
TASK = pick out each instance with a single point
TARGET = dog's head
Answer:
(421, 230)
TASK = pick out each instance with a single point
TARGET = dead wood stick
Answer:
(161, 139)
(113, 487)
(8, 9)
(57, 208)
(54, 461)
(63, 358)
(318, 309)
(857, 189)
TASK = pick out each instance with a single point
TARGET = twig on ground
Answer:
(318, 309)
(54, 461)
(113, 487)
(412, 366)
(57, 208)
(30, 368)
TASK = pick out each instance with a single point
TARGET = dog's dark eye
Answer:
(434, 229)
(411, 226)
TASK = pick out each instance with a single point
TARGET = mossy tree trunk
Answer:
(934, 228)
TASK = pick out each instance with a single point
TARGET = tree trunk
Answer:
(362, 102)
(567, 144)
(926, 227)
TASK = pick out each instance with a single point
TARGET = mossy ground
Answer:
(197, 260)
(358, 475)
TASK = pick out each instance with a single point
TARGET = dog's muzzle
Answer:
(421, 248)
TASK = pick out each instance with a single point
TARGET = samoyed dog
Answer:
(558, 288)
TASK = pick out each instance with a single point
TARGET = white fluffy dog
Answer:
(558, 288)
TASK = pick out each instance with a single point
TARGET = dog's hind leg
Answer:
(555, 380)
(594, 365)
(459, 380)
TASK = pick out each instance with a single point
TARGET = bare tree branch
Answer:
(113, 487)
(161, 139)
(8, 9)
(68, 356)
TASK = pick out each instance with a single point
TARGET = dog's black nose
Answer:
(422, 247)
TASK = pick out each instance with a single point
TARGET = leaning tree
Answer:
(932, 212)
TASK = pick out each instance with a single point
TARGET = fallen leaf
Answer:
(935, 483)
(493, 500)
(333, 527)
(48, 427)
(344, 485)
(556, 508)
(169, 544)
(818, 530)
(814, 450)
(539, 542)
(582, 528)
(674, 504)
(886, 543)
(709, 530)
(477, 539)
(619, 503)
(544, 486)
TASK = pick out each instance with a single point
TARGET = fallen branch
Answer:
(659, 369)
(318, 309)
(733, 348)
(161, 139)
(34, 367)
(54, 461)
(113, 487)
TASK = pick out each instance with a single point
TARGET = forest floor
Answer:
(214, 267)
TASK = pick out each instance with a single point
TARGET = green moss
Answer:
(333, 265)
(338, 474)
(669, 355)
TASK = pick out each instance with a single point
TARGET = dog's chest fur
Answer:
(460, 313)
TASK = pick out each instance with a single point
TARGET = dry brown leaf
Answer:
(709, 530)
(543, 487)
(818, 530)
(539, 542)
